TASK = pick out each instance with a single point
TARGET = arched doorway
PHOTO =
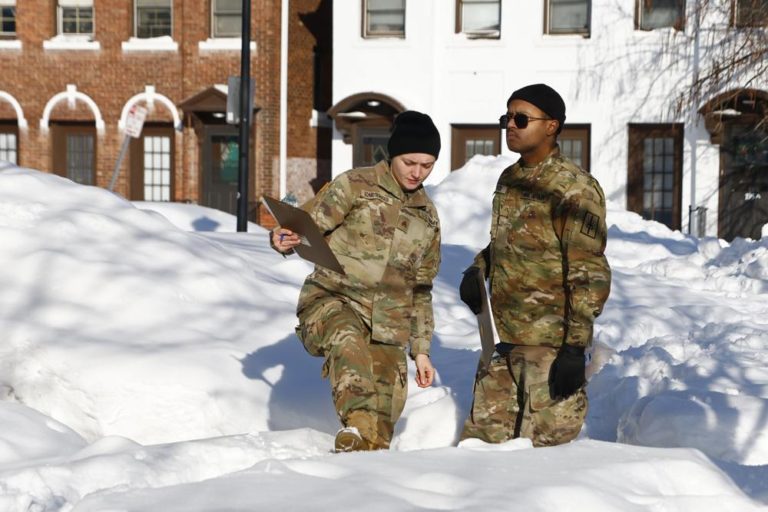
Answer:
(365, 120)
(738, 122)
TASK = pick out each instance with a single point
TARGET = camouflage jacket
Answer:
(549, 277)
(388, 242)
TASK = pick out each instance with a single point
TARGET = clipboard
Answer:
(313, 246)
(485, 326)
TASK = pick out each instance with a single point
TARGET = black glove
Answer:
(469, 289)
(566, 375)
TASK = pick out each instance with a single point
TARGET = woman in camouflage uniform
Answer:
(384, 230)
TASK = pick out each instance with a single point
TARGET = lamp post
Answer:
(245, 118)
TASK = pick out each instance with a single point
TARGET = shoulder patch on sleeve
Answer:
(590, 225)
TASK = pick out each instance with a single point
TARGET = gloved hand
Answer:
(566, 375)
(469, 289)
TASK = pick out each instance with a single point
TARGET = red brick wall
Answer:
(310, 65)
(111, 77)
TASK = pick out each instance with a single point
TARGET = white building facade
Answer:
(620, 66)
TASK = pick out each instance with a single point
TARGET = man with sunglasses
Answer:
(548, 278)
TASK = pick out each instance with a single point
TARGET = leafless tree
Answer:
(730, 44)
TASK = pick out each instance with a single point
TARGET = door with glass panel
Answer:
(370, 145)
(74, 151)
(743, 182)
(220, 168)
(9, 144)
(152, 164)
(654, 184)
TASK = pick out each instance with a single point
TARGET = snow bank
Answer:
(145, 366)
(115, 322)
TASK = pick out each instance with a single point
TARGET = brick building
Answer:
(73, 69)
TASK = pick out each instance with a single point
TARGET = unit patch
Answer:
(590, 224)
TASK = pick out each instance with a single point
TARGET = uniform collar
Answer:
(552, 154)
(385, 179)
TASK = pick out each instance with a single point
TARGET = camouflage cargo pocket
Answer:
(311, 331)
(539, 397)
(556, 421)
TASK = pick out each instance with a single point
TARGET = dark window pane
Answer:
(669, 163)
(229, 5)
(572, 150)
(658, 177)
(660, 13)
(76, 20)
(227, 18)
(225, 155)
(751, 12)
(228, 26)
(386, 17)
(8, 147)
(480, 16)
(8, 20)
(374, 149)
(80, 158)
(568, 16)
(153, 18)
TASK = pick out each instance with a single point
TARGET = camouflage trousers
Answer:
(513, 400)
(368, 379)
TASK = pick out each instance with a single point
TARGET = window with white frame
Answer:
(153, 18)
(227, 18)
(384, 18)
(7, 17)
(75, 17)
(9, 144)
(750, 13)
(568, 16)
(652, 14)
(479, 18)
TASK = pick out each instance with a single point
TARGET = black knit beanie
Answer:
(545, 98)
(413, 132)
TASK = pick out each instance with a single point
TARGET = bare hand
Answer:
(425, 372)
(284, 240)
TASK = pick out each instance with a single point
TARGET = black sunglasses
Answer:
(521, 120)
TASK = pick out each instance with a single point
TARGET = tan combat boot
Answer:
(348, 439)
(360, 434)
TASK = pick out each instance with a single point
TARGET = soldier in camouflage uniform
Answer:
(384, 230)
(548, 278)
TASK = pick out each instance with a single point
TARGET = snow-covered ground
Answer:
(148, 363)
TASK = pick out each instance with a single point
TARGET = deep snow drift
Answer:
(148, 362)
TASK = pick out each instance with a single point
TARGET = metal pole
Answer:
(116, 171)
(245, 118)
(282, 185)
(694, 104)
